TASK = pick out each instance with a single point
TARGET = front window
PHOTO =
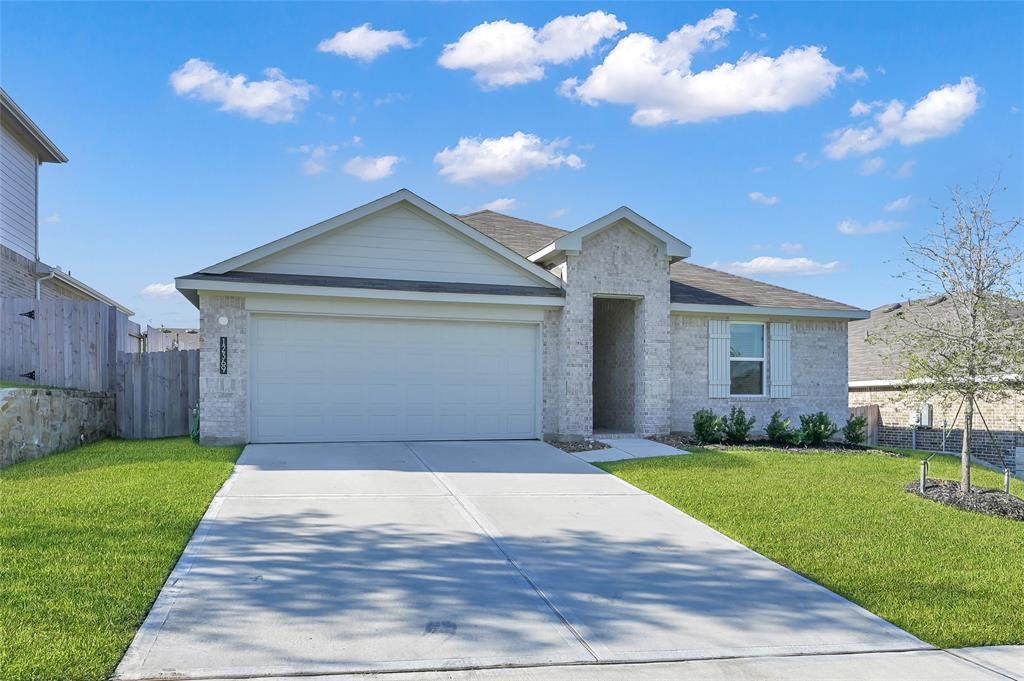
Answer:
(746, 358)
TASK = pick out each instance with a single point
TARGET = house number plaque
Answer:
(223, 354)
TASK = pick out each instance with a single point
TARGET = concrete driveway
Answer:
(332, 558)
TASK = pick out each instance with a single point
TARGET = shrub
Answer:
(853, 432)
(781, 432)
(816, 429)
(707, 427)
(736, 426)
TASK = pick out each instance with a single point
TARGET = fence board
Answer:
(873, 416)
(155, 392)
(69, 343)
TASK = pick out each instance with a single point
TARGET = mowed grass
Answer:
(950, 577)
(88, 537)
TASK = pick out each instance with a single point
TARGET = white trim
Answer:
(20, 119)
(675, 248)
(901, 383)
(63, 277)
(340, 307)
(402, 195)
(202, 286)
(763, 359)
(744, 310)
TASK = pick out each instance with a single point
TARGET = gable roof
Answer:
(875, 361)
(690, 284)
(675, 248)
(522, 236)
(400, 196)
(18, 120)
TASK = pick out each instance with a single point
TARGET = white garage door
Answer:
(329, 379)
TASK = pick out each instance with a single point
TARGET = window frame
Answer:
(763, 359)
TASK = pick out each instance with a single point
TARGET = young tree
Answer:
(962, 333)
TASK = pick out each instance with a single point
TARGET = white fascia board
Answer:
(49, 153)
(66, 279)
(196, 286)
(375, 207)
(675, 248)
(752, 311)
(901, 383)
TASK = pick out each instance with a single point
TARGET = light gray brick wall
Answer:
(551, 329)
(17, 275)
(615, 261)
(224, 398)
(819, 374)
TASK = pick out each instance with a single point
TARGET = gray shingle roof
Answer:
(690, 283)
(522, 236)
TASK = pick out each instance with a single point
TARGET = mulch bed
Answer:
(980, 500)
(579, 446)
(683, 441)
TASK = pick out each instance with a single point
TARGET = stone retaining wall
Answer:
(35, 422)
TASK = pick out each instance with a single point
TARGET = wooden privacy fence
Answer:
(155, 393)
(62, 342)
(874, 419)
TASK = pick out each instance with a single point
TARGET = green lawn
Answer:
(88, 537)
(950, 577)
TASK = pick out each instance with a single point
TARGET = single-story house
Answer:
(876, 378)
(398, 320)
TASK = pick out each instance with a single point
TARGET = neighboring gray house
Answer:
(876, 378)
(397, 320)
(23, 149)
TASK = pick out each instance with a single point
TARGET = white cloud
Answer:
(790, 247)
(52, 219)
(157, 290)
(558, 213)
(767, 264)
(274, 100)
(857, 75)
(804, 159)
(898, 205)
(371, 168)
(938, 114)
(860, 108)
(364, 43)
(390, 98)
(317, 156)
(870, 166)
(763, 199)
(500, 160)
(760, 169)
(654, 76)
(502, 53)
(906, 169)
(855, 227)
(500, 205)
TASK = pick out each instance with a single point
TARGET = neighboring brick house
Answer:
(875, 379)
(23, 149)
(397, 320)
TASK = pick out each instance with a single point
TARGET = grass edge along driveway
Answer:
(949, 577)
(87, 539)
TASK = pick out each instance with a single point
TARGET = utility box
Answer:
(924, 419)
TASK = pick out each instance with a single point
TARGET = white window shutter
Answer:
(718, 358)
(780, 359)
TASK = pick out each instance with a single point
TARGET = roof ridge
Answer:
(764, 283)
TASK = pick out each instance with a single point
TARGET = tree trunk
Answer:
(965, 451)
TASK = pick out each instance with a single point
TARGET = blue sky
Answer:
(730, 134)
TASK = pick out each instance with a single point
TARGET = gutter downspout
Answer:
(40, 280)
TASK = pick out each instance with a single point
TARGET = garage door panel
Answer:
(338, 378)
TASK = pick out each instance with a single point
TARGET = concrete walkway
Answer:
(341, 558)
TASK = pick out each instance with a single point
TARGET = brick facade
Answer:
(224, 398)
(617, 261)
(653, 362)
(17, 275)
(819, 374)
(995, 445)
